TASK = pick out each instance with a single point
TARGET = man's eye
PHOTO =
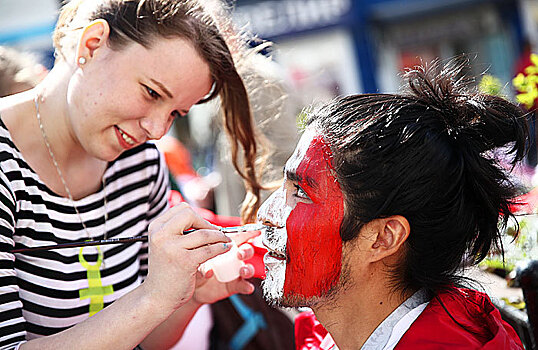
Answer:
(152, 92)
(300, 193)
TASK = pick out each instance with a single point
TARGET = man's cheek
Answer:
(314, 248)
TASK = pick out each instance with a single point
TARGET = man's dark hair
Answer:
(426, 154)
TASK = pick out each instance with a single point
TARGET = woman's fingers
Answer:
(206, 252)
(178, 219)
(240, 286)
(246, 271)
(243, 236)
(245, 252)
(200, 238)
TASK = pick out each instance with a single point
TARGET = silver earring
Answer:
(82, 60)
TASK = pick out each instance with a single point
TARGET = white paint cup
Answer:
(226, 266)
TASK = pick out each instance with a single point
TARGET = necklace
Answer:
(60, 175)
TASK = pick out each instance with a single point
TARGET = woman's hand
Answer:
(174, 258)
(210, 290)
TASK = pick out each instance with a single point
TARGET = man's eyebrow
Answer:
(162, 87)
(294, 177)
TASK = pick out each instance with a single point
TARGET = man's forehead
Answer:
(310, 161)
(300, 151)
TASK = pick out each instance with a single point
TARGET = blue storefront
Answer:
(381, 37)
(341, 46)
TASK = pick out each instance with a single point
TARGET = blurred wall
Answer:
(28, 25)
(362, 45)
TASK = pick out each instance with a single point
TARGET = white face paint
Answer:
(276, 211)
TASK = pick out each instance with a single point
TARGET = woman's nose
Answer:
(155, 126)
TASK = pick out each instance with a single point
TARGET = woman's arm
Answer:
(122, 325)
(12, 331)
(208, 291)
(173, 264)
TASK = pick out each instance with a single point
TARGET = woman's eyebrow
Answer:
(162, 87)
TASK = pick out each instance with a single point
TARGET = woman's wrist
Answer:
(155, 303)
(194, 303)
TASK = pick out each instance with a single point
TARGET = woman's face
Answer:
(305, 248)
(121, 98)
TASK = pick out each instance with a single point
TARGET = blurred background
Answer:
(332, 47)
(322, 48)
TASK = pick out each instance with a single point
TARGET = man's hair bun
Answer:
(490, 121)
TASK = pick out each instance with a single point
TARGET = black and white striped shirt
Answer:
(42, 293)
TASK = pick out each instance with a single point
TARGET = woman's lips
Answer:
(126, 141)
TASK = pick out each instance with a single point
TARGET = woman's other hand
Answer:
(210, 290)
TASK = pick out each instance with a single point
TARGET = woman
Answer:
(386, 198)
(76, 166)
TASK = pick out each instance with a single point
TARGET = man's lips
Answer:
(126, 140)
(272, 252)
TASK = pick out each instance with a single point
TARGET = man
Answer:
(373, 221)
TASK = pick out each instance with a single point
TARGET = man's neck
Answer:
(357, 311)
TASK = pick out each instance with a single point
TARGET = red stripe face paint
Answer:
(312, 213)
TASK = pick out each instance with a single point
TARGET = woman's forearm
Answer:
(122, 325)
(170, 331)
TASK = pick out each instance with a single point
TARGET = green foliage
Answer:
(301, 120)
(526, 83)
(490, 85)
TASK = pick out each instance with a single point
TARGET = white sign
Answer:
(272, 18)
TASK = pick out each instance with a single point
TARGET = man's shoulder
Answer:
(460, 318)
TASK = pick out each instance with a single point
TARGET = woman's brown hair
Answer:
(143, 21)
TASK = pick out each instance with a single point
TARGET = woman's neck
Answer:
(80, 170)
(52, 105)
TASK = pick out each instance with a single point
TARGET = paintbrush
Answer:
(234, 229)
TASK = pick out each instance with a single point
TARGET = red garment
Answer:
(526, 203)
(177, 156)
(482, 328)
(481, 324)
(308, 331)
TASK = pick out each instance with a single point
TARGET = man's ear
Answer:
(392, 232)
(94, 36)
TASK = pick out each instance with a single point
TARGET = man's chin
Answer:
(275, 297)
(273, 292)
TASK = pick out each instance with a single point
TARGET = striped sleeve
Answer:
(158, 204)
(160, 191)
(12, 323)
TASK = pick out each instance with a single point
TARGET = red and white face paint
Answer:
(305, 248)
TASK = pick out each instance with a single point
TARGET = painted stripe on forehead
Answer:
(309, 137)
(300, 151)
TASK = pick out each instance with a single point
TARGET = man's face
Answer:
(305, 248)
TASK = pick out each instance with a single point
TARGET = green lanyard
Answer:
(95, 291)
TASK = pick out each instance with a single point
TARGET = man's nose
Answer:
(271, 211)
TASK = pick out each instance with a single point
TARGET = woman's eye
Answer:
(300, 193)
(152, 92)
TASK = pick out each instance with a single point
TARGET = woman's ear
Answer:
(94, 36)
(392, 232)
